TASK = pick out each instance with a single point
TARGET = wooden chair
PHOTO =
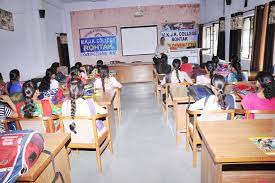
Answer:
(258, 114)
(192, 134)
(84, 134)
(5, 122)
(117, 104)
(157, 80)
(168, 102)
(39, 124)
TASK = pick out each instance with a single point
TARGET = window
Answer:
(247, 37)
(211, 38)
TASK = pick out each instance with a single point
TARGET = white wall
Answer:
(32, 46)
(212, 10)
(78, 6)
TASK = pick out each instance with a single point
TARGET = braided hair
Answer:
(238, 69)
(76, 88)
(267, 82)
(176, 65)
(104, 73)
(218, 81)
(28, 92)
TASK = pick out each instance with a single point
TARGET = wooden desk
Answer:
(106, 100)
(133, 72)
(42, 171)
(180, 100)
(229, 156)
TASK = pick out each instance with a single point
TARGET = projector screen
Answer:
(139, 40)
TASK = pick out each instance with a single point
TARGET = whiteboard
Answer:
(139, 40)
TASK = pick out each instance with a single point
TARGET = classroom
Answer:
(153, 91)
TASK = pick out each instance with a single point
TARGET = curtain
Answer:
(259, 28)
(236, 25)
(200, 37)
(200, 43)
(269, 43)
(221, 39)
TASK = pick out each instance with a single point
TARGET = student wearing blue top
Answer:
(236, 74)
(14, 86)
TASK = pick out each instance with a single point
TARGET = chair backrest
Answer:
(212, 115)
(260, 114)
(36, 124)
(83, 130)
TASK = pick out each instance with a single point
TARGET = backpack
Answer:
(19, 152)
(199, 91)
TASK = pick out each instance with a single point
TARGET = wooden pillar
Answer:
(263, 38)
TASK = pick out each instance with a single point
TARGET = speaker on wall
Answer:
(42, 13)
(228, 2)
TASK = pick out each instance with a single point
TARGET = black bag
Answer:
(199, 91)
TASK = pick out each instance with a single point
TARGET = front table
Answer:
(42, 171)
(228, 156)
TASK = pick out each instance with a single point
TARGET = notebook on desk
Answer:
(266, 144)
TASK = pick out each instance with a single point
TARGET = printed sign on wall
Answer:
(6, 20)
(180, 35)
(98, 41)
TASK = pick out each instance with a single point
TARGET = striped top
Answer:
(4, 113)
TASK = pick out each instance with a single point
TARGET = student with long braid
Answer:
(178, 76)
(31, 106)
(106, 82)
(76, 105)
(219, 100)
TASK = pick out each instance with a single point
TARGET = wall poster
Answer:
(180, 35)
(101, 41)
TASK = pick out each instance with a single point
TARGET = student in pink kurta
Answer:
(264, 99)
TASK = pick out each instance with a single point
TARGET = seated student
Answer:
(163, 65)
(32, 107)
(236, 74)
(76, 105)
(106, 81)
(2, 85)
(220, 67)
(7, 110)
(185, 66)
(176, 75)
(51, 74)
(59, 72)
(206, 78)
(14, 86)
(264, 99)
(215, 102)
(75, 74)
(49, 88)
(82, 70)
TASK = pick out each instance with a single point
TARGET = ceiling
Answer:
(70, 1)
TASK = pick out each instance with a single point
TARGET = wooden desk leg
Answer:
(177, 119)
(110, 110)
(210, 172)
(180, 118)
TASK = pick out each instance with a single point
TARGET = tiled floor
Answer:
(144, 150)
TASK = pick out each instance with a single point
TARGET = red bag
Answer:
(19, 152)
